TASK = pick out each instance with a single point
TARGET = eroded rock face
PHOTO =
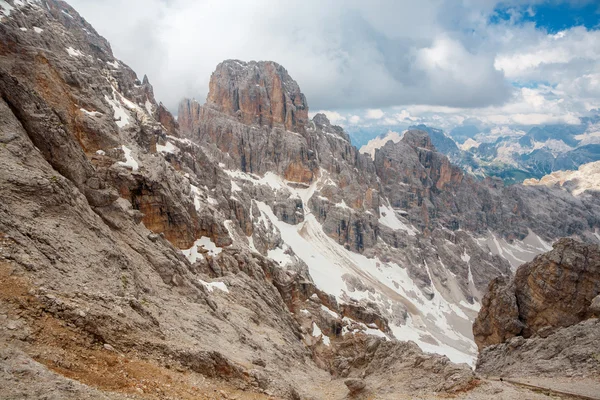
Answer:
(188, 115)
(258, 93)
(557, 288)
(167, 120)
(384, 364)
(498, 319)
(101, 188)
(553, 291)
(433, 192)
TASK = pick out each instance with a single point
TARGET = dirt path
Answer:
(564, 387)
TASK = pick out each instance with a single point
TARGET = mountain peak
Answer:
(418, 138)
(321, 119)
(258, 93)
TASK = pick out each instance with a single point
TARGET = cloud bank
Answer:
(369, 62)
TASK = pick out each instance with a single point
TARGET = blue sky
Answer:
(551, 15)
(377, 63)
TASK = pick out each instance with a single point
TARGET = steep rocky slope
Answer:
(543, 322)
(95, 208)
(242, 246)
(406, 234)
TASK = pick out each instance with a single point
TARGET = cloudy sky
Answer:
(377, 62)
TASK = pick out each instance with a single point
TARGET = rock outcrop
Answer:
(553, 291)
(570, 352)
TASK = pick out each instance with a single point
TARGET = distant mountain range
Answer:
(510, 153)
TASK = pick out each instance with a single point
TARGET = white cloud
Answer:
(403, 115)
(344, 54)
(354, 119)
(553, 50)
(374, 114)
(383, 62)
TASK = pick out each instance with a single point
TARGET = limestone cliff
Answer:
(553, 291)
(543, 322)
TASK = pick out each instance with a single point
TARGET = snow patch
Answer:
(465, 257)
(316, 332)
(37, 30)
(518, 252)
(361, 328)
(167, 148)
(279, 256)
(235, 187)
(388, 218)
(270, 179)
(193, 254)
(211, 286)
(343, 205)
(5, 8)
(91, 113)
(148, 106)
(74, 52)
(130, 161)
(328, 311)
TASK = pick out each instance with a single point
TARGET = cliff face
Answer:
(553, 291)
(543, 321)
(188, 115)
(258, 93)
(254, 113)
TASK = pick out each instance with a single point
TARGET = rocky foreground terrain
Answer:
(542, 324)
(241, 250)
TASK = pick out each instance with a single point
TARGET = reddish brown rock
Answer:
(258, 93)
(498, 319)
(256, 117)
(298, 172)
(160, 214)
(167, 120)
(188, 115)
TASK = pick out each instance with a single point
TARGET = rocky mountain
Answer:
(518, 154)
(543, 322)
(515, 153)
(584, 180)
(241, 249)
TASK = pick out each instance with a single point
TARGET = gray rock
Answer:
(594, 307)
(355, 386)
(554, 290)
